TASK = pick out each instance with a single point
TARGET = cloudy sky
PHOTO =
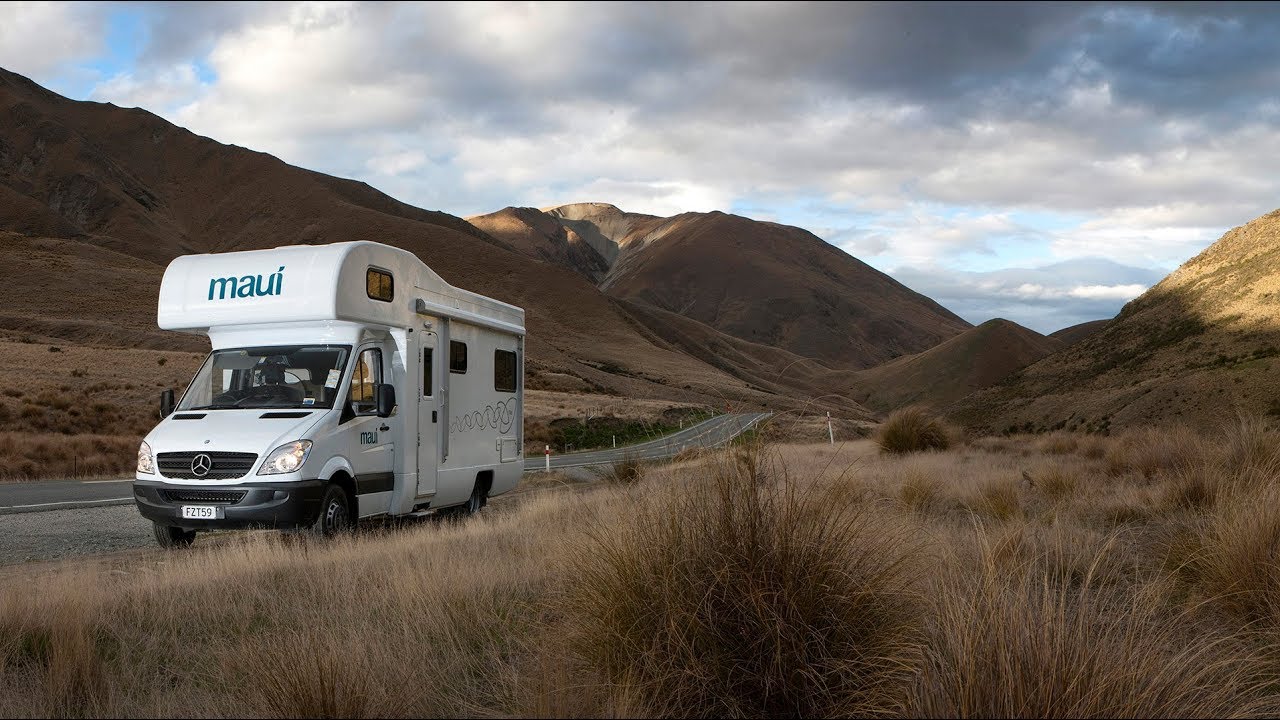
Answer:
(1043, 163)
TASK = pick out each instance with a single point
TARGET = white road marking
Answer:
(64, 502)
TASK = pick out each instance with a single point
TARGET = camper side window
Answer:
(364, 382)
(378, 285)
(426, 371)
(504, 371)
(457, 357)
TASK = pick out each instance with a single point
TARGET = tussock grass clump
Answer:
(1236, 564)
(1251, 445)
(746, 595)
(998, 498)
(627, 471)
(1152, 452)
(914, 430)
(1059, 443)
(1020, 643)
(1057, 483)
(921, 492)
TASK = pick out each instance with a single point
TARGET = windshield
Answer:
(297, 376)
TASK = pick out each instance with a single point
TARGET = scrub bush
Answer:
(913, 430)
(743, 595)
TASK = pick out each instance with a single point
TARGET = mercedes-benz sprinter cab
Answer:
(345, 381)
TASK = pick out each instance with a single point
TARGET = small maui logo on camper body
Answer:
(247, 286)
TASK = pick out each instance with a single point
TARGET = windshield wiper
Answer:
(211, 407)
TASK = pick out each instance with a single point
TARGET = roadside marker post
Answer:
(548, 451)
(831, 434)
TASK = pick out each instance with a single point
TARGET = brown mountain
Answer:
(1200, 348)
(1075, 333)
(538, 235)
(96, 199)
(758, 281)
(976, 358)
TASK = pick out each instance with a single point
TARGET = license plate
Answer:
(201, 512)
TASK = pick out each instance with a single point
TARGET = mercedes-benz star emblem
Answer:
(201, 465)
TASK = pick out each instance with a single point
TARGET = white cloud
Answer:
(929, 151)
(397, 163)
(1107, 292)
(40, 38)
(164, 90)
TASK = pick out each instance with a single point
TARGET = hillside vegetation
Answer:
(1058, 576)
(975, 359)
(1201, 347)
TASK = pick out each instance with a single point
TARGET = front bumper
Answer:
(281, 505)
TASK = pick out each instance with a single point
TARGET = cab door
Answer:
(428, 414)
(369, 439)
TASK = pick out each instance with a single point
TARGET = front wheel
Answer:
(335, 513)
(171, 537)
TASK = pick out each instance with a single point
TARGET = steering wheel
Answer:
(273, 392)
(264, 392)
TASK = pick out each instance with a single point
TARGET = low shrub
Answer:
(743, 595)
(627, 471)
(913, 430)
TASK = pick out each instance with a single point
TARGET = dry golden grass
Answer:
(76, 411)
(29, 455)
(1025, 640)
(914, 429)
(1017, 577)
(747, 594)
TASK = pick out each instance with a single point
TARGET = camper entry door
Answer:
(430, 384)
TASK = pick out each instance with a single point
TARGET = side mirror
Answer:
(386, 399)
(166, 404)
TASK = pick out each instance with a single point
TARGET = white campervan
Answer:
(346, 381)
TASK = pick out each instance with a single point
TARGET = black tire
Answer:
(335, 513)
(172, 538)
(471, 507)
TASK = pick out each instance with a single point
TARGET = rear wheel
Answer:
(335, 513)
(171, 537)
(467, 509)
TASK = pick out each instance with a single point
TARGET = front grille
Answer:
(226, 497)
(226, 465)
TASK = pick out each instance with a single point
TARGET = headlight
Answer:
(146, 465)
(286, 458)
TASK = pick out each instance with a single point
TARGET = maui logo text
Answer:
(247, 286)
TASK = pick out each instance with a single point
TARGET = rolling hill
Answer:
(1076, 333)
(975, 359)
(96, 199)
(759, 281)
(1199, 348)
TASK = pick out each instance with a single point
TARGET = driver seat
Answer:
(273, 376)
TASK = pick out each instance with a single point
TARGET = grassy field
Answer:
(75, 411)
(1054, 576)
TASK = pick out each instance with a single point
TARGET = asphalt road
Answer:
(47, 495)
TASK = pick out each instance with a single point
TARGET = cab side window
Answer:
(365, 379)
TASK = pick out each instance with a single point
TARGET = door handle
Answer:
(433, 416)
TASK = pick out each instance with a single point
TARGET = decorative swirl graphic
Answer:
(500, 416)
